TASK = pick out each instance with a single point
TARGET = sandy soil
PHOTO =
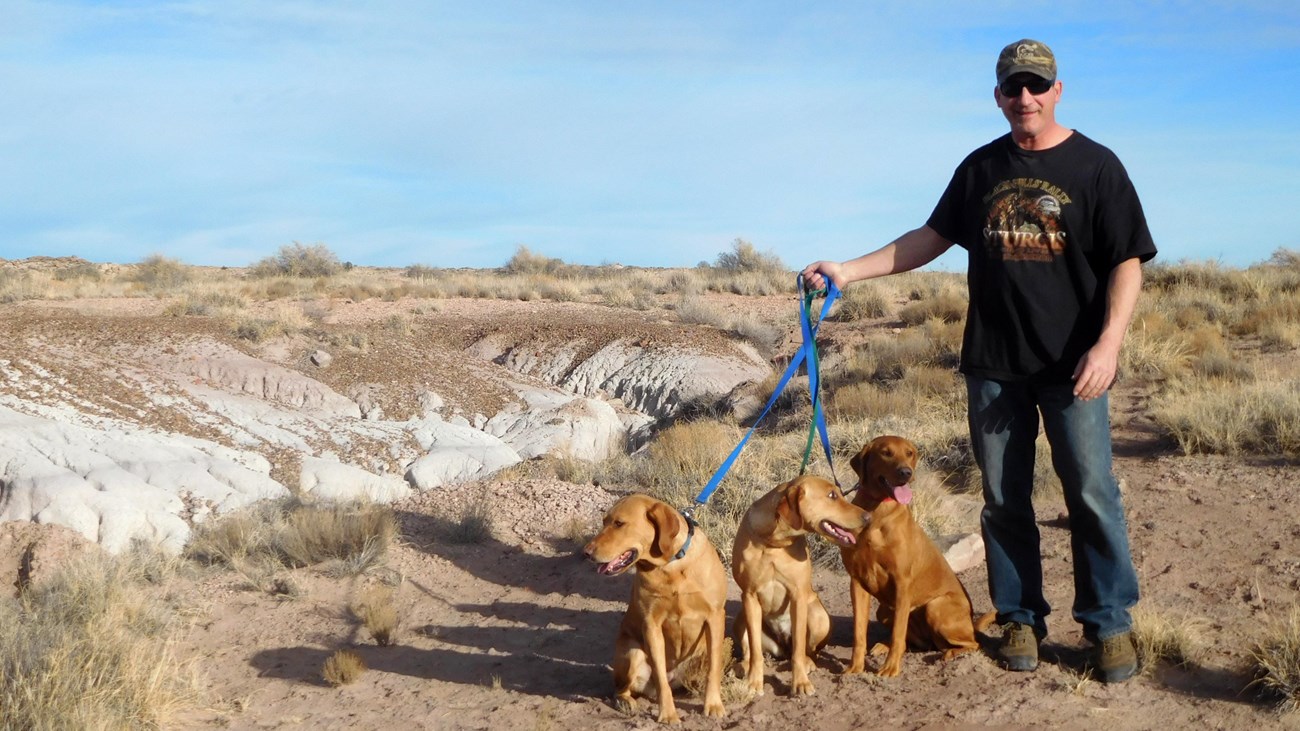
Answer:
(517, 632)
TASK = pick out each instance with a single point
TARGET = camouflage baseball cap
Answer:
(1026, 56)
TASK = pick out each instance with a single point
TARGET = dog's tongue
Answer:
(903, 494)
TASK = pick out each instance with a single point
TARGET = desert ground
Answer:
(515, 630)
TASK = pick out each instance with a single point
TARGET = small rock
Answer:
(321, 359)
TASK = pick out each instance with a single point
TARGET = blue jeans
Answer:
(1004, 419)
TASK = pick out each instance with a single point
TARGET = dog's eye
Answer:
(619, 524)
(832, 495)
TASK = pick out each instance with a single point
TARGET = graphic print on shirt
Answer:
(1024, 220)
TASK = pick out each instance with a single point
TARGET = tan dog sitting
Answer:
(781, 613)
(678, 607)
(921, 600)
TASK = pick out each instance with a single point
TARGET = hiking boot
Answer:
(1019, 648)
(1116, 659)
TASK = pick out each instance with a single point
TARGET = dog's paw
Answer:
(755, 686)
(890, 669)
(715, 709)
(625, 704)
(852, 670)
(669, 715)
(802, 687)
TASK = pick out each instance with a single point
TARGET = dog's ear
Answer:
(859, 461)
(668, 524)
(788, 509)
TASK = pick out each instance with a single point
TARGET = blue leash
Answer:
(807, 351)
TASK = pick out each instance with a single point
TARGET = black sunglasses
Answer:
(1035, 84)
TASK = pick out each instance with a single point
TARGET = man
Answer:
(1055, 237)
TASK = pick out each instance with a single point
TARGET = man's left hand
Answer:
(1095, 372)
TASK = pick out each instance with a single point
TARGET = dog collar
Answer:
(690, 533)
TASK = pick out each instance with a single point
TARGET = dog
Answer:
(781, 613)
(922, 601)
(677, 612)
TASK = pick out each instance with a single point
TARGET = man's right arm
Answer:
(916, 248)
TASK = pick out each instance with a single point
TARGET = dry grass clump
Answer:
(377, 612)
(948, 305)
(628, 299)
(868, 401)
(1163, 638)
(206, 304)
(470, 525)
(1153, 350)
(694, 672)
(686, 454)
(276, 321)
(355, 537)
(296, 260)
(16, 286)
(1229, 417)
(89, 647)
(264, 538)
(1276, 662)
(342, 668)
(863, 301)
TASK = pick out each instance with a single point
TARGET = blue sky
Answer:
(645, 133)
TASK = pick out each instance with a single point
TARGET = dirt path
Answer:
(517, 632)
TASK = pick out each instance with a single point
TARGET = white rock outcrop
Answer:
(171, 432)
(553, 422)
(454, 453)
(114, 483)
(653, 380)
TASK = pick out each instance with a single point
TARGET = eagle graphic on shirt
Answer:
(1024, 221)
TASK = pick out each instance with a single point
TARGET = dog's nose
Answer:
(905, 473)
(586, 550)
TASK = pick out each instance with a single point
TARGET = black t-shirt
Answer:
(1042, 229)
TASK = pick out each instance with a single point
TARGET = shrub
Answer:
(420, 271)
(157, 272)
(526, 262)
(296, 260)
(744, 257)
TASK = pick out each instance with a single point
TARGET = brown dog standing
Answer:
(921, 599)
(781, 613)
(678, 606)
